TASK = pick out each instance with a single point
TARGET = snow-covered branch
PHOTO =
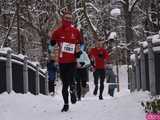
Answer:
(122, 1)
(93, 28)
(132, 3)
(9, 30)
(77, 10)
(3, 27)
(31, 24)
(93, 6)
(142, 11)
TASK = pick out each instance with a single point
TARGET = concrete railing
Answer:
(145, 72)
(21, 75)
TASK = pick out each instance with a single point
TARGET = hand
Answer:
(101, 56)
(78, 54)
(82, 63)
(78, 65)
(92, 69)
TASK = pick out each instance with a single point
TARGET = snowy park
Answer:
(103, 55)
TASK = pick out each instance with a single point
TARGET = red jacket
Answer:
(99, 56)
(67, 36)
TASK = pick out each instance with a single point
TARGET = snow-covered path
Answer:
(124, 106)
(29, 107)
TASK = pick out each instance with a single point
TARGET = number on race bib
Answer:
(68, 47)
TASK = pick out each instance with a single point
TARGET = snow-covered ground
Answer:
(124, 106)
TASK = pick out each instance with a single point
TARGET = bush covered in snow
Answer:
(152, 106)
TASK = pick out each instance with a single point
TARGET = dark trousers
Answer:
(111, 91)
(99, 73)
(51, 86)
(67, 73)
(81, 78)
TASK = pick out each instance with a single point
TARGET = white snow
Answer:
(132, 57)
(93, 6)
(155, 39)
(137, 50)
(156, 48)
(131, 4)
(5, 49)
(112, 35)
(34, 63)
(124, 106)
(115, 12)
(144, 43)
(20, 56)
(122, 1)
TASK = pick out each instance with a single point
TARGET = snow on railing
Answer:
(21, 75)
(145, 65)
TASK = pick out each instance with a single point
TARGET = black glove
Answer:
(81, 63)
(78, 54)
(52, 42)
(92, 63)
(101, 56)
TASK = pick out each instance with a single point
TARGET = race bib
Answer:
(68, 48)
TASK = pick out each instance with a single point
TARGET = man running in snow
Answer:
(67, 37)
(99, 56)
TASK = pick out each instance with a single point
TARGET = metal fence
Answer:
(145, 73)
(20, 75)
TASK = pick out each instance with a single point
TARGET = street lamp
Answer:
(115, 13)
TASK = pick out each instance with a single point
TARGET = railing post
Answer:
(137, 72)
(143, 69)
(130, 78)
(9, 72)
(133, 81)
(151, 62)
(46, 83)
(37, 80)
(25, 75)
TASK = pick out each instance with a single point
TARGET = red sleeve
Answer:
(54, 36)
(91, 53)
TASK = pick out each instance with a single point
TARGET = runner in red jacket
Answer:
(99, 56)
(67, 37)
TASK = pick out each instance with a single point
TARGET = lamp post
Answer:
(115, 13)
(18, 27)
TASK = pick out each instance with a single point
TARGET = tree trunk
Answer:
(128, 24)
(44, 39)
(18, 29)
(128, 30)
(61, 3)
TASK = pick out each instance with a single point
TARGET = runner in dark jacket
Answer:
(83, 63)
(111, 79)
(52, 69)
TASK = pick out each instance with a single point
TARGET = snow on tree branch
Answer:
(135, 29)
(93, 6)
(77, 10)
(142, 11)
(121, 1)
(31, 24)
(93, 26)
(132, 3)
